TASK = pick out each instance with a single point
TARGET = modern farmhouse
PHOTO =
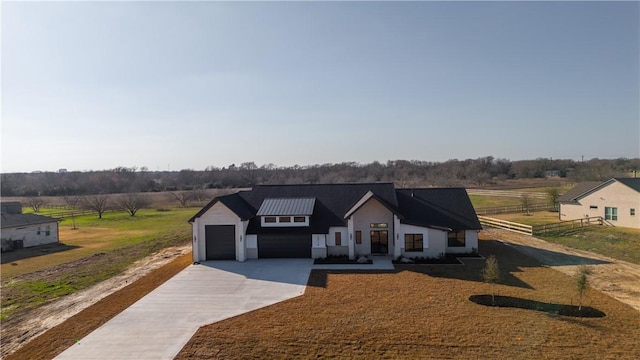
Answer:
(316, 221)
(20, 230)
(616, 200)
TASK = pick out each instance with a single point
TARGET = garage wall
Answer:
(218, 214)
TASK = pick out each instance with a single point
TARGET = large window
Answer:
(338, 239)
(413, 242)
(611, 213)
(456, 239)
(358, 237)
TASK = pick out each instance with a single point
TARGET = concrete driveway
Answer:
(159, 324)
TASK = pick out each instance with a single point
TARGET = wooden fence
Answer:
(506, 225)
(553, 228)
(567, 226)
(508, 193)
(513, 209)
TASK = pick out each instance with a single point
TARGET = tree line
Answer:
(405, 173)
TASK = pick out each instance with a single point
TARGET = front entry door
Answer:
(379, 241)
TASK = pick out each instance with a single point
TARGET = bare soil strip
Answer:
(616, 278)
(47, 331)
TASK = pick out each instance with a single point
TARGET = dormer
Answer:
(286, 212)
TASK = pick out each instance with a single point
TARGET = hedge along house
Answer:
(316, 221)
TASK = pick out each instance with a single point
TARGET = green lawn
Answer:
(535, 218)
(97, 250)
(480, 201)
(615, 242)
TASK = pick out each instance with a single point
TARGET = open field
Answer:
(615, 242)
(97, 250)
(423, 311)
(59, 338)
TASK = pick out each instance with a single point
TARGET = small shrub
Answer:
(582, 282)
(491, 274)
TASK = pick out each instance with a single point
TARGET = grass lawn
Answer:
(615, 242)
(480, 201)
(97, 250)
(423, 311)
(535, 218)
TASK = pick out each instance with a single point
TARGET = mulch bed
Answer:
(559, 309)
(340, 260)
(59, 338)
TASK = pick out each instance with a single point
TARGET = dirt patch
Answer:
(616, 278)
(107, 295)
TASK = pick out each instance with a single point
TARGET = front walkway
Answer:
(159, 324)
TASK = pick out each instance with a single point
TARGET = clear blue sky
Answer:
(90, 85)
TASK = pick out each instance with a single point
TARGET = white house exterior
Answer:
(616, 200)
(26, 230)
(335, 219)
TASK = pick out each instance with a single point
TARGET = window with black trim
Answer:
(38, 231)
(632, 212)
(338, 239)
(270, 219)
(299, 219)
(47, 230)
(358, 237)
(456, 239)
(285, 219)
(413, 242)
(593, 206)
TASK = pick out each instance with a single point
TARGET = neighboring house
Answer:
(616, 200)
(26, 230)
(316, 221)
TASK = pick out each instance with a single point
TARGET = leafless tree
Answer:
(36, 202)
(552, 197)
(72, 201)
(182, 197)
(199, 195)
(97, 203)
(491, 275)
(525, 201)
(582, 282)
(132, 202)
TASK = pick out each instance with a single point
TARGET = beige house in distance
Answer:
(616, 200)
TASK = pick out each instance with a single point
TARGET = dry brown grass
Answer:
(424, 312)
(59, 338)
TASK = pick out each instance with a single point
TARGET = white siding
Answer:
(219, 214)
(470, 241)
(29, 234)
(332, 248)
(372, 212)
(434, 242)
(318, 246)
(615, 195)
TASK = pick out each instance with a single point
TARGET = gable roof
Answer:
(576, 191)
(440, 208)
(448, 208)
(585, 188)
(287, 206)
(16, 220)
(234, 202)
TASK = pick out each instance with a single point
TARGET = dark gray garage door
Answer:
(220, 242)
(284, 245)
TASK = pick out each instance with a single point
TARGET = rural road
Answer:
(616, 278)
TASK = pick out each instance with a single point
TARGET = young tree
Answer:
(97, 203)
(491, 274)
(582, 282)
(132, 202)
(36, 202)
(525, 201)
(552, 197)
